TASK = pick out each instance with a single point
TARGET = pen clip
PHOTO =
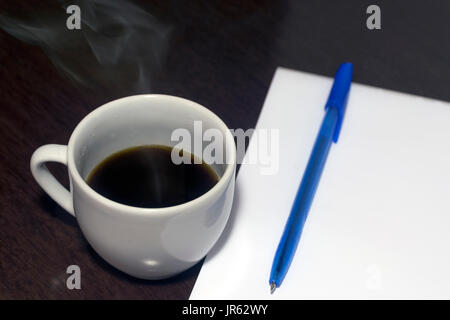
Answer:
(339, 94)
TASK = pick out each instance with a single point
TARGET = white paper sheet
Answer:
(379, 226)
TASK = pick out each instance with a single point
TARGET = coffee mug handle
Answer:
(51, 153)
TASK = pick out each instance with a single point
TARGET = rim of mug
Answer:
(221, 184)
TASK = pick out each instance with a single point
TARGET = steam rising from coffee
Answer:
(120, 45)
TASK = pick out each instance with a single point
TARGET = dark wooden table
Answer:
(220, 54)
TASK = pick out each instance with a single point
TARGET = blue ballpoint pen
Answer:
(329, 131)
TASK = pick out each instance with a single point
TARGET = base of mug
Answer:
(156, 275)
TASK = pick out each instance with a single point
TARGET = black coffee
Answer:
(146, 177)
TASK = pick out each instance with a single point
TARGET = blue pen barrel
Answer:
(302, 203)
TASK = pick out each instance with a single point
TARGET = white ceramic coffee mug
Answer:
(149, 243)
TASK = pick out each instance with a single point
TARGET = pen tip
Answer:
(273, 286)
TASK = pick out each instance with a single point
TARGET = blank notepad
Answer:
(379, 226)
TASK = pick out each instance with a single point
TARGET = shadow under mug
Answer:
(148, 243)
